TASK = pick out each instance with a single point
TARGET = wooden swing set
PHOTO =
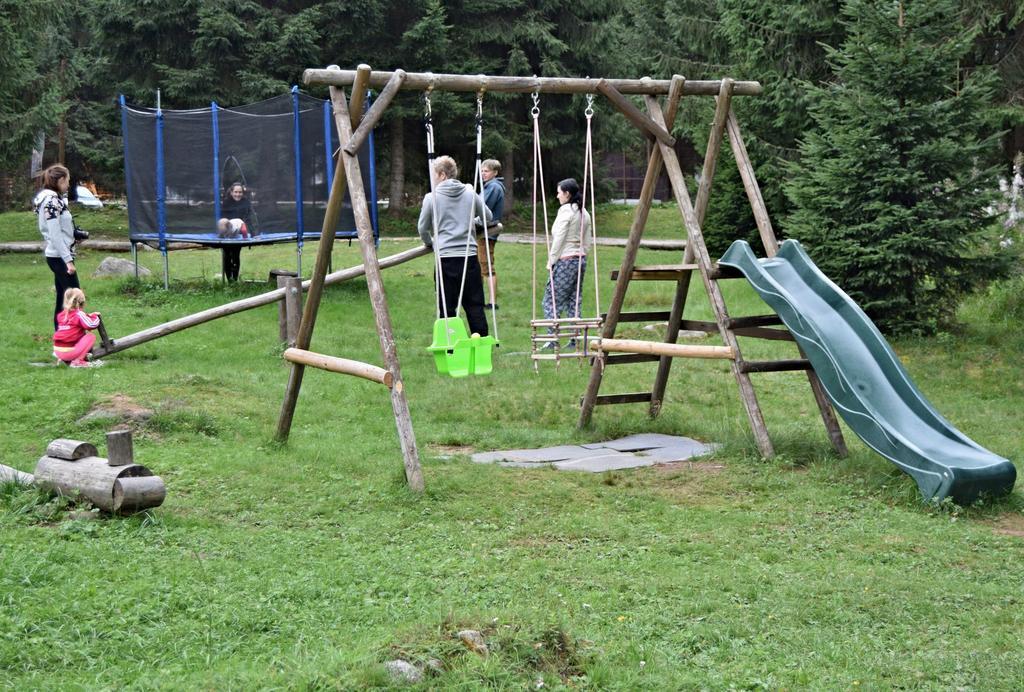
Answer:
(354, 127)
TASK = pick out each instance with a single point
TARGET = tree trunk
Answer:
(396, 194)
(509, 172)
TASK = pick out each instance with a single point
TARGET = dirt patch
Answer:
(120, 408)
(1009, 525)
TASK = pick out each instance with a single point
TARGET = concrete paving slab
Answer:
(606, 462)
(678, 452)
(543, 455)
(633, 443)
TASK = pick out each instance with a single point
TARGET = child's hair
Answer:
(53, 175)
(446, 165)
(492, 165)
(73, 298)
(222, 224)
(573, 188)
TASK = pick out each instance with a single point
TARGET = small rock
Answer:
(115, 266)
(403, 671)
(474, 641)
(435, 665)
(83, 515)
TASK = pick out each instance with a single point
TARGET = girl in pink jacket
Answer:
(73, 340)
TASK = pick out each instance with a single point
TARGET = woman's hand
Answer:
(71, 268)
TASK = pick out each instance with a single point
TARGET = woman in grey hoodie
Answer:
(451, 208)
(58, 230)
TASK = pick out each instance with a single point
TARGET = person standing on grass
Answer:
(58, 230)
(73, 340)
(494, 198)
(567, 260)
(451, 207)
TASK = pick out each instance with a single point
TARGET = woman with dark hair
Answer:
(236, 205)
(567, 260)
(58, 229)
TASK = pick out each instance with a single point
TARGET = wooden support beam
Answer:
(764, 333)
(633, 398)
(754, 321)
(696, 242)
(658, 272)
(636, 232)
(647, 316)
(719, 272)
(683, 285)
(775, 365)
(420, 81)
(331, 215)
(641, 120)
(104, 337)
(378, 298)
(360, 87)
(627, 358)
(375, 113)
(660, 348)
(340, 365)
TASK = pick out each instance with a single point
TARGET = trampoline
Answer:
(180, 166)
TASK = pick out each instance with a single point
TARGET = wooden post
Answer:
(323, 259)
(378, 299)
(683, 285)
(119, 448)
(375, 113)
(636, 231)
(771, 246)
(293, 308)
(696, 240)
(282, 312)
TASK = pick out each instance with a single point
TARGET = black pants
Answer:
(62, 281)
(231, 261)
(472, 294)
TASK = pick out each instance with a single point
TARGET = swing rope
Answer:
(428, 124)
(478, 184)
(588, 176)
(538, 182)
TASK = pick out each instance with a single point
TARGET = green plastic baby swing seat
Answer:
(458, 354)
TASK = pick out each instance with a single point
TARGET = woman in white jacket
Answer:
(567, 260)
(58, 230)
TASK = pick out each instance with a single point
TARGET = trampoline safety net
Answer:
(181, 166)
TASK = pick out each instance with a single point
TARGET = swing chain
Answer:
(589, 112)
(535, 111)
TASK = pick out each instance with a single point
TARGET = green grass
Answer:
(308, 565)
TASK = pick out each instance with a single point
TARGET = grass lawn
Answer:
(308, 565)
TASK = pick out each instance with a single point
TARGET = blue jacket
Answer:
(494, 198)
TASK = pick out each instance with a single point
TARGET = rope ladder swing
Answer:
(456, 352)
(575, 328)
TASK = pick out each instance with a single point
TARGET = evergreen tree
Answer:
(889, 194)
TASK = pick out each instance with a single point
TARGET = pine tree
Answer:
(890, 194)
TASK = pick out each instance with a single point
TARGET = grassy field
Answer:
(308, 565)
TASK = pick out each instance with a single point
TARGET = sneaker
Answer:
(488, 306)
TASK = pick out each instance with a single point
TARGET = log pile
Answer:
(117, 485)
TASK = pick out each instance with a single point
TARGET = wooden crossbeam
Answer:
(658, 272)
(343, 366)
(420, 81)
(775, 365)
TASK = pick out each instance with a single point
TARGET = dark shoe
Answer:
(488, 306)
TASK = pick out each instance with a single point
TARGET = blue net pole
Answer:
(127, 169)
(297, 145)
(328, 145)
(216, 163)
(161, 211)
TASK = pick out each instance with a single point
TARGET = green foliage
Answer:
(891, 189)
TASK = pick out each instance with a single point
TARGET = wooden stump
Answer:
(119, 448)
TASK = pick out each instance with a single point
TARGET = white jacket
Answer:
(55, 225)
(565, 234)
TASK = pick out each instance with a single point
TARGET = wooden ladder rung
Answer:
(774, 365)
(649, 316)
(661, 348)
(659, 272)
(765, 333)
(754, 321)
(340, 365)
(625, 358)
(634, 398)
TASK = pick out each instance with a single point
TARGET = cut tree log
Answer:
(70, 449)
(95, 480)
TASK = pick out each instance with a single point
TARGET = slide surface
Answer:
(866, 381)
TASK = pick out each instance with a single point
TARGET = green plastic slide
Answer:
(866, 382)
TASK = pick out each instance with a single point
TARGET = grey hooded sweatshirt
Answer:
(455, 212)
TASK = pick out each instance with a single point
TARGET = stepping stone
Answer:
(633, 443)
(605, 462)
(678, 452)
(534, 456)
